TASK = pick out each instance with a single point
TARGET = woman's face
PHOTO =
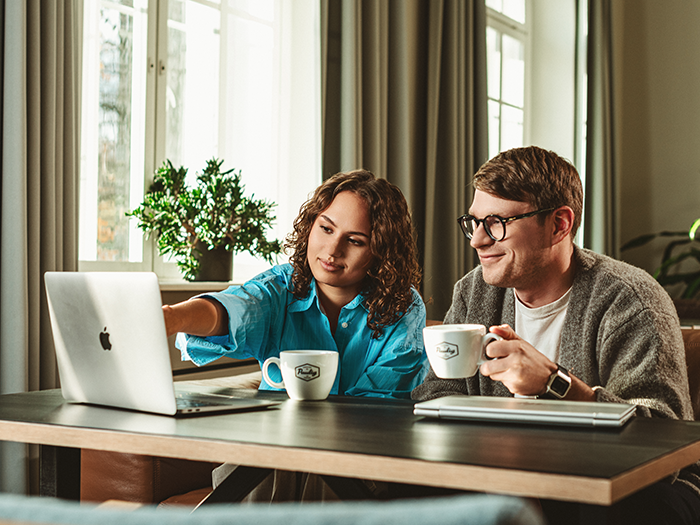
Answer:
(338, 251)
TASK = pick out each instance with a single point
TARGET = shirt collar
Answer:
(301, 305)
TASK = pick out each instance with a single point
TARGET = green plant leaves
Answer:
(694, 229)
(215, 212)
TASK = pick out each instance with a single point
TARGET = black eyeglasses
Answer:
(494, 225)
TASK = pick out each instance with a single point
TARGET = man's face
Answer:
(521, 259)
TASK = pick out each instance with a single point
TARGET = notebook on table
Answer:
(525, 410)
(112, 349)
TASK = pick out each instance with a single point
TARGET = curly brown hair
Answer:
(387, 287)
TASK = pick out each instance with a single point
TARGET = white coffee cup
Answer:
(456, 350)
(306, 374)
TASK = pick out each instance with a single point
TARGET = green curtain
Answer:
(404, 95)
(41, 51)
(601, 221)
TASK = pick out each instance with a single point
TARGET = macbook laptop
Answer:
(525, 410)
(111, 346)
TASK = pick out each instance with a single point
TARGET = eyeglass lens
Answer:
(493, 225)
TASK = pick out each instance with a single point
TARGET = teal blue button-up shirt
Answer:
(265, 318)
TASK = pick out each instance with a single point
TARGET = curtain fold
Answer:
(404, 95)
(41, 50)
(601, 224)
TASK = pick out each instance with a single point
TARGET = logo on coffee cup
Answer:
(446, 350)
(307, 372)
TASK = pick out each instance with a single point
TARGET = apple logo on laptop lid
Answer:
(104, 339)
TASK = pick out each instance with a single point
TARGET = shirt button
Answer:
(344, 325)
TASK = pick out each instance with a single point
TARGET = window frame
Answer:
(521, 32)
(149, 249)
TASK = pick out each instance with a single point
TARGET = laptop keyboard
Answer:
(193, 400)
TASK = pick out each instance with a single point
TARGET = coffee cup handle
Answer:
(484, 343)
(269, 361)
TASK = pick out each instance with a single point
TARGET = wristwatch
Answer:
(558, 384)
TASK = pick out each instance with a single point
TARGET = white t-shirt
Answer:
(542, 326)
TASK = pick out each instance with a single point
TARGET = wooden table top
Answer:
(376, 439)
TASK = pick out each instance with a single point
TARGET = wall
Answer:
(658, 119)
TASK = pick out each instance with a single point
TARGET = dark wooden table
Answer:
(376, 439)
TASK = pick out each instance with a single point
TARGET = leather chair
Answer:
(136, 478)
(691, 341)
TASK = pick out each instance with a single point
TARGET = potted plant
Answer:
(202, 226)
(671, 259)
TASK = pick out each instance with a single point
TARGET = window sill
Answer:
(195, 286)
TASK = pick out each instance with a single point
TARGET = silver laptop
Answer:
(525, 410)
(111, 346)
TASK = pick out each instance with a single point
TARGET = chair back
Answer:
(481, 509)
(691, 341)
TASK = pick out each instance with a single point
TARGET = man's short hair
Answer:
(533, 175)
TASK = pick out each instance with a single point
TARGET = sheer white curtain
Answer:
(38, 196)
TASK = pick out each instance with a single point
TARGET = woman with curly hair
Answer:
(350, 286)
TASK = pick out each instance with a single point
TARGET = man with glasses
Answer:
(575, 325)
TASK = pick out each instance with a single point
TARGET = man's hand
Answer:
(519, 366)
(523, 369)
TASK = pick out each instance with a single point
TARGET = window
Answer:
(506, 51)
(188, 80)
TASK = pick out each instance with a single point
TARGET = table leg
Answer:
(59, 472)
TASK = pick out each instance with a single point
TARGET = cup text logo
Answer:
(446, 350)
(307, 372)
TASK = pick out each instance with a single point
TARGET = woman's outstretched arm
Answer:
(200, 316)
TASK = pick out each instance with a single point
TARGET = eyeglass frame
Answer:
(461, 220)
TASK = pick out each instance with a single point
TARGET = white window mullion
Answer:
(139, 92)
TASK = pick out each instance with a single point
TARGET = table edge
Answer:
(355, 465)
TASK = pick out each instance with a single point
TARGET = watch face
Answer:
(560, 386)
